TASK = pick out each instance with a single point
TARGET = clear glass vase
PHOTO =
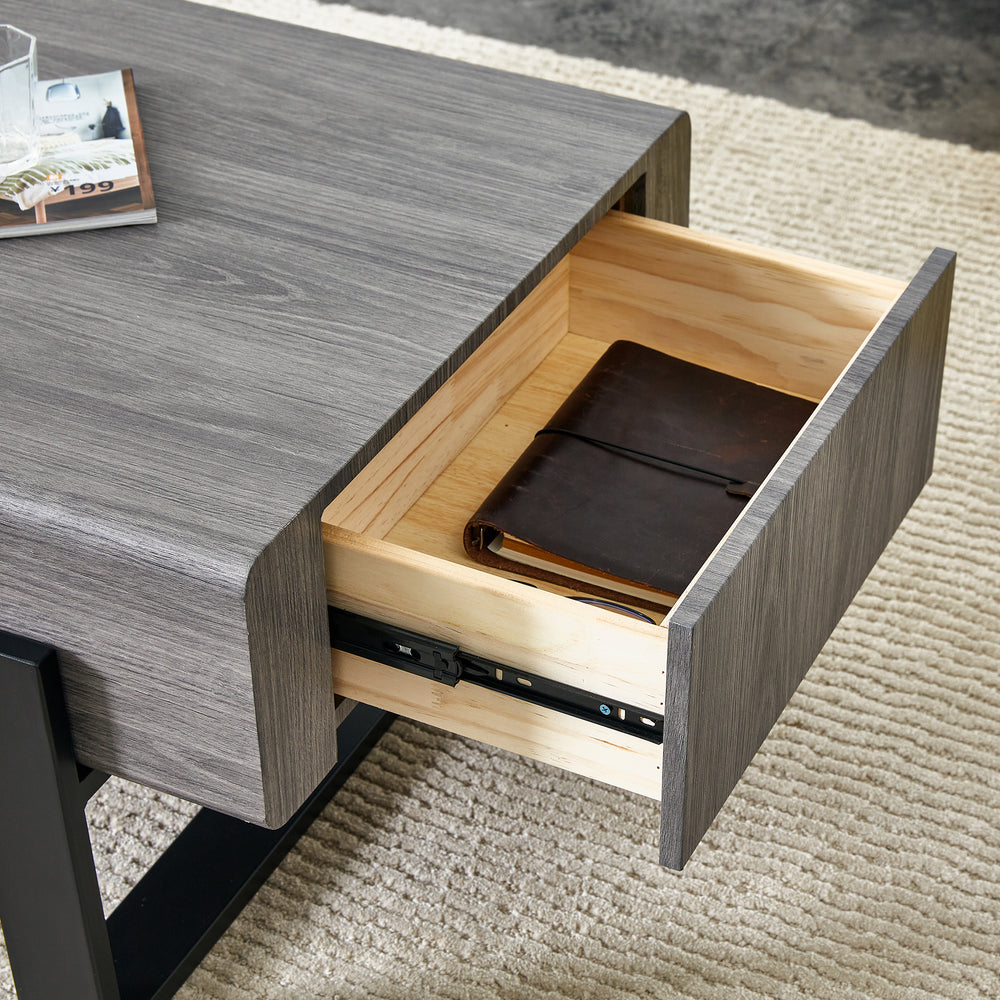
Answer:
(18, 81)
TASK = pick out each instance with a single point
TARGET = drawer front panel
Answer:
(744, 634)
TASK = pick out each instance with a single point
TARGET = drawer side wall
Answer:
(743, 636)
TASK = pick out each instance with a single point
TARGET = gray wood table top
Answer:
(341, 224)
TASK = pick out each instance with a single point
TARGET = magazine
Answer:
(91, 171)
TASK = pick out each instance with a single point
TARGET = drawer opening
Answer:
(393, 538)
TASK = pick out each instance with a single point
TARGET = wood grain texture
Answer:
(435, 523)
(667, 168)
(774, 318)
(341, 225)
(743, 635)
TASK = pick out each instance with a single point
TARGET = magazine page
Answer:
(90, 170)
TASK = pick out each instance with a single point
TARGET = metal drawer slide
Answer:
(447, 664)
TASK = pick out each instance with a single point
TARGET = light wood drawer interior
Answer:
(393, 538)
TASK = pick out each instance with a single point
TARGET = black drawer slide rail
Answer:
(447, 664)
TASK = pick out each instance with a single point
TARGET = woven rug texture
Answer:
(860, 854)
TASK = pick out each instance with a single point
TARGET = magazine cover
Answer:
(92, 170)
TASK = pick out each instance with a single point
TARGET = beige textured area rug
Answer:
(860, 854)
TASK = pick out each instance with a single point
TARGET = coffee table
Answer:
(342, 227)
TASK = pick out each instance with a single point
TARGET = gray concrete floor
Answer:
(927, 66)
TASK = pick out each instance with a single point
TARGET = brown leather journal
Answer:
(636, 478)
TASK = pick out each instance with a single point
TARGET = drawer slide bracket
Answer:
(447, 664)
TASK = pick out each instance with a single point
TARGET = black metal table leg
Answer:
(50, 902)
(50, 905)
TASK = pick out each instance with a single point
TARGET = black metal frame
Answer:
(58, 941)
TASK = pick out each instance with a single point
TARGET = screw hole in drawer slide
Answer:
(447, 664)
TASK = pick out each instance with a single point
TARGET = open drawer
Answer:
(721, 665)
